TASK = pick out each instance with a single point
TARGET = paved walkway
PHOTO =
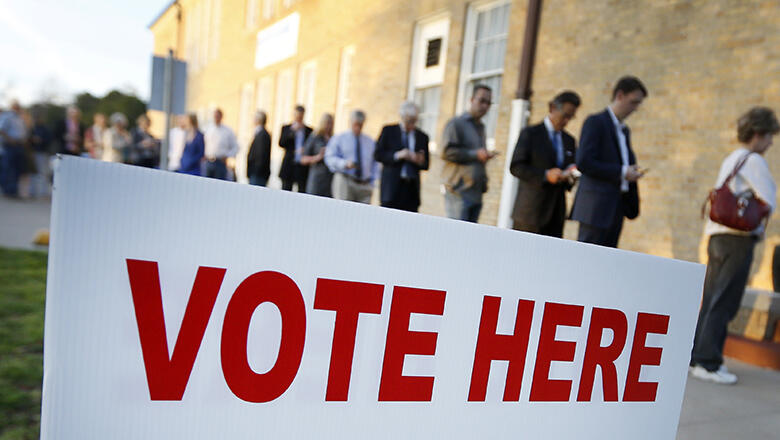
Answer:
(21, 219)
(748, 410)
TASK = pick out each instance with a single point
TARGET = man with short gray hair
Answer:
(350, 156)
(403, 151)
(258, 162)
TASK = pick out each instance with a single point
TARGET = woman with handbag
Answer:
(739, 208)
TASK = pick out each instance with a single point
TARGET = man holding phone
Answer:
(608, 189)
(465, 155)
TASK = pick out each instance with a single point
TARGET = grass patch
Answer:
(22, 298)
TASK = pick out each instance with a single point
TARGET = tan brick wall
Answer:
(704, 62)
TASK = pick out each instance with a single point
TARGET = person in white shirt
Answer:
(350, 156)
(221, 145)
(730, 251)
(178, 138)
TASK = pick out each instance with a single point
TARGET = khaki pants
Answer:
(344, 188)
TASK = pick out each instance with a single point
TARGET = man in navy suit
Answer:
(543, 161)
(403, 151)
(293, 137)
(608, 187)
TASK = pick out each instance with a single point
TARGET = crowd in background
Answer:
(546, 160)
(27, 144)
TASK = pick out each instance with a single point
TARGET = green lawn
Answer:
(22, 297)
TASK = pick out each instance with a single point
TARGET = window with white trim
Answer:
(216, 24)
(246, 129)
(307, 85)
(487, 27)
(251, 14)
(429, 55)
(343, 101)
(284, 98)
(268, 9)
(265, 96)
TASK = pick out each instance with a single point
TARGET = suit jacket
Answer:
(287, 141)
(60, 130)
(258, 161)
(534, 155)
(389, 142)
(598, 158)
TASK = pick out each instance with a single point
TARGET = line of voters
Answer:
(546, 160)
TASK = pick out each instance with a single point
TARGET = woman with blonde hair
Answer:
(320, 176)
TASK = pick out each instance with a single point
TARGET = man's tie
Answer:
(558, 149)
(407, 171)
(358, 159)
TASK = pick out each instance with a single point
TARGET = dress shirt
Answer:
(555, 139)
(343, 148)
(220, 142)
(753, 176)
(410, 140)
(178, 138)
(619, 127)
(13, 126)
(300, 138)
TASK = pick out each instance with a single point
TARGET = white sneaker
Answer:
(722, 376)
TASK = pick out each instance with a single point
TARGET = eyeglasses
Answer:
(484, 101)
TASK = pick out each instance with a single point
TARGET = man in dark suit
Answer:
(544, 161)
(403, 151)
(292, 139)
(258, 161)
(608, 187)
(69, 132)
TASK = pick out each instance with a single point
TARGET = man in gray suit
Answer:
(465, 155)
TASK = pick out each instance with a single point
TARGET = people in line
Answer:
(40, 143)
(221, 146)
(70, 132)
(13, 135)
(292, 139)
(350, 156)
(608, 190)
(145, 151)
(194, 147)
(177, 138)
(320, 178)
(465, 154)
(93, 136)
(730, 251)
(117, 140)
(258, 161)
(402, 149)
(543, 161)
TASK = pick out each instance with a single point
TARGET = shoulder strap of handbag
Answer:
(736, 169)
(726, 182)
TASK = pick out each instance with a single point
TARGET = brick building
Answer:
(703, 61)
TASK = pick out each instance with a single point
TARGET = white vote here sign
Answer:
(188, 308)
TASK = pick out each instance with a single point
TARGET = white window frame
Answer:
(467, 58)
(415, 82)
(284, 104)
(307, 88)
(216, 25)
(343, 101)
(264, 100)
(246, 119)
(269, 8)
(251, 12)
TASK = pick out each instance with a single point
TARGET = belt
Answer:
(355, 179)
(218, 159)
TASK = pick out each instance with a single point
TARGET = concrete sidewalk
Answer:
(748, 410)
(21, 219)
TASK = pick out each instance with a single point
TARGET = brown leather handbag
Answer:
(743, 211)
